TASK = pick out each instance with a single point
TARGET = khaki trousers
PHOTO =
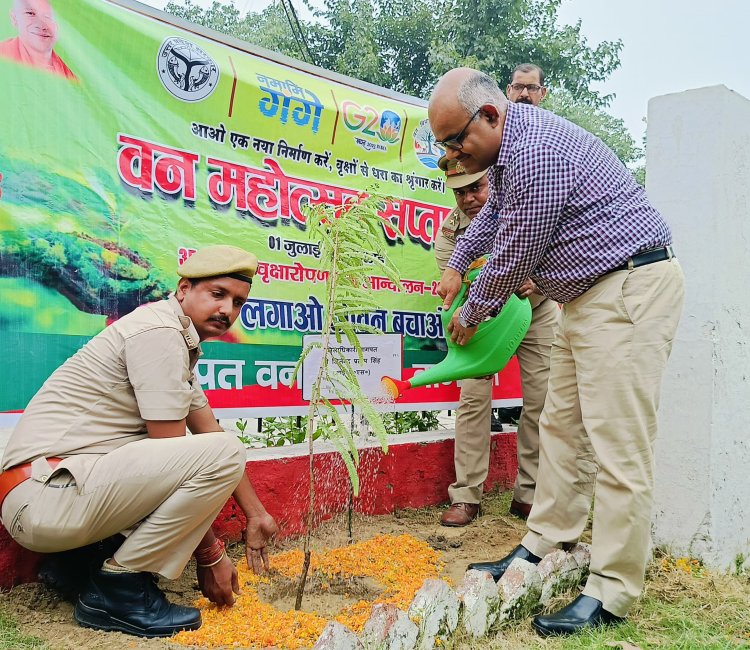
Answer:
(164, 493)
(533, 361)
(471, 451)
(473, 416)
(607, 364)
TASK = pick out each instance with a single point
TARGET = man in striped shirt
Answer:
(564, 211)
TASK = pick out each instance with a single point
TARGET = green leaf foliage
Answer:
(406, 45)
(496, 35)
(350, 248)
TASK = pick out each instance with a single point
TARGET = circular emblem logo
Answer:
(428, 152)
(185, 70)
(390, 127)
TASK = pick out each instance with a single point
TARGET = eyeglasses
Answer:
(455, 142)
(532, 88)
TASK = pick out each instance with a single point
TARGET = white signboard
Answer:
(382, 356)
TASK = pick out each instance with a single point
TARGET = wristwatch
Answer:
(462, 321)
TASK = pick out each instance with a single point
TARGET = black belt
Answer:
(649, 257)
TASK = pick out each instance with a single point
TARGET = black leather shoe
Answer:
(509, 414)
(132, 603)
(68, 572)
(496, 569)
(583, 612)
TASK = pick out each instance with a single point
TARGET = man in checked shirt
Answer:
(472, 440)
(564, 211)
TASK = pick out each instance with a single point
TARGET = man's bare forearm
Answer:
(247, 499)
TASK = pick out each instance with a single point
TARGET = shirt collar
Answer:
(190, 334)
(510, 133)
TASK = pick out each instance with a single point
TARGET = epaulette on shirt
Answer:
(455, 225)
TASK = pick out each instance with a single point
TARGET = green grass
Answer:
(680, 610)
(684, 607)
(12, 639)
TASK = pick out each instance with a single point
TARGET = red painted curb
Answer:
(411, 475)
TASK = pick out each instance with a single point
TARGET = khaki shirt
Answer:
(453, 227)
(139, 368)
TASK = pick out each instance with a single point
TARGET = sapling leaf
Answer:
(351, 469)
(307, 349)
(352, 248)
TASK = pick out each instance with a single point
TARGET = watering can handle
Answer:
(463, 293)
(458, 301)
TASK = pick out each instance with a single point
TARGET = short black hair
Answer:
(528, 67)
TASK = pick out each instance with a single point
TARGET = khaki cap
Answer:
(455, 174)
(212, 261)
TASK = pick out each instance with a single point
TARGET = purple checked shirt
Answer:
(561, 209)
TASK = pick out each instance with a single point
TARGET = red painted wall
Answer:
(411, 475)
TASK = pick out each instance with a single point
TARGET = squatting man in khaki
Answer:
(102, 448)
(472, 448)
(564, 211)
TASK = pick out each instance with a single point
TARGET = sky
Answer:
(668, 46)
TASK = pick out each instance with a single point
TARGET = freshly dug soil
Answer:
(41, 612)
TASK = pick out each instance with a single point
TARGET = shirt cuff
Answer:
(472, 316)
(197, 404)
(163, 404)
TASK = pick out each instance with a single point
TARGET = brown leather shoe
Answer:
(460, 514)
(519, 509)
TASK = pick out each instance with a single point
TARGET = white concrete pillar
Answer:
(698, 176)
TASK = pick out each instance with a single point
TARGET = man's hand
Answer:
(450, 285)
(260, 530)
(219, 582)
(459, 334)
(526, 289)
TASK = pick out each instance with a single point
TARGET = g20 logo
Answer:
(385, 127)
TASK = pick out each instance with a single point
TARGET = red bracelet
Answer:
(206, 553)
(214, 563)
(211, 555)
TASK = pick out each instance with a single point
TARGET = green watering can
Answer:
(488, 351)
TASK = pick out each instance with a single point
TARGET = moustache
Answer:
(220, 319)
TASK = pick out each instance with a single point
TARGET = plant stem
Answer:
(350, 519)
(351, 490)
(314, 401)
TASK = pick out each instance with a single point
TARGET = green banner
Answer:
(127, 142)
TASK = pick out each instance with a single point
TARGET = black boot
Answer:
(496, 569)
(68, 572)
(132, 603)
(583, 612)
(509, 414)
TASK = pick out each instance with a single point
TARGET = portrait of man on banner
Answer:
(37, 30)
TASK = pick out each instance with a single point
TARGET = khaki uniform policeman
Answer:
(105, 449)
(472, 446)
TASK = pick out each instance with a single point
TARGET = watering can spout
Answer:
(488, 351)
(394, 388)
